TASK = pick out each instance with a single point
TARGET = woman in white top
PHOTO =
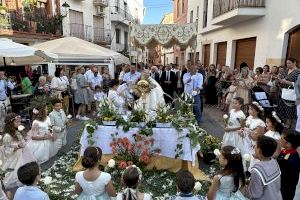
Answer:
(60, 87)
(132, 177)
(42, 139)
(115, 97)
(93, 184)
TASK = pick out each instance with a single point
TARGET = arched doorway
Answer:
(293, 49)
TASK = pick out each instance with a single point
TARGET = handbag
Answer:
(288, 94)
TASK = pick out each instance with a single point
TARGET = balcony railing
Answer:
(223, 6)
(102, 36)
(100, 3)
(37, 21)
(122, 15)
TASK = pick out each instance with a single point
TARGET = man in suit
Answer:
(154, 73)
(179, 79)
(168, 83)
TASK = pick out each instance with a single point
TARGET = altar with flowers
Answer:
(164, 140)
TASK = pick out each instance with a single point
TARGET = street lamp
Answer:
(66, 8)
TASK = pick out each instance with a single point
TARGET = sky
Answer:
(156, 9)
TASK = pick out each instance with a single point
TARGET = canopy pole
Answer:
(129, 43)
(4, 62)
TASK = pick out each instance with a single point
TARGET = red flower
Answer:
(129, 163)
(122, 164)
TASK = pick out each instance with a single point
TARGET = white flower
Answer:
(247, 157)
(69, 116)
(0, 163)
(47, 180)
(198, 186)
(72, 187)
(217, 152)
(225, 116)
(21, 128)
(111, 163)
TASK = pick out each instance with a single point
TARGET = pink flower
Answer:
(122, 164)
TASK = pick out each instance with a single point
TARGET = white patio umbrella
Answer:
(13, 53)
(72, 49)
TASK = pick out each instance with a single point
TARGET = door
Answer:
(245, 52)
(76, 24)
(125, 41)
(294, 45)
(98, 24)
(221, 53)
(206, 56)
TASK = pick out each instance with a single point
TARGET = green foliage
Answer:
(209, 143)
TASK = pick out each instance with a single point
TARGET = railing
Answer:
(102, 35)
(36, 21)
(123, 14)
(223, 6)
(100, 2)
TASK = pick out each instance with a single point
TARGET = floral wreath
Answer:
(130, 191)
(258, 106)
(235, 151)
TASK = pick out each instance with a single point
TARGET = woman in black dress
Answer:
(211, 90)
(287, 109)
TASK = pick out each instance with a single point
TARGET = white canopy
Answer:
(165, 35)
(75, 50)
(19, 54)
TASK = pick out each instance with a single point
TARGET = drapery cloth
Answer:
(166, 139)
(165, 35)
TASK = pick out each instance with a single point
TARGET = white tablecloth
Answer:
(166, 139)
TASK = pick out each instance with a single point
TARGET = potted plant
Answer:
(208, 144)
(138, 117)
(107, 113)
(163, 117)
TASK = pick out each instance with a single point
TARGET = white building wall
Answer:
(89, 10)
(270, 30)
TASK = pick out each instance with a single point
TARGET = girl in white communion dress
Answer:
(131, 178)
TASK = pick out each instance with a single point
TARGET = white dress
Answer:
(117, 100)
(41, 149)
(273, 134)
(154, 99)
(146, 196)
(2, 194)
(246, 144)
(14, 159)
(225, 191)
(231, 138)
(93, 190)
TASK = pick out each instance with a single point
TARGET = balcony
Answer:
(37, 24)
(102, 36)
(103, 3)
(229, 12)
(120, 15)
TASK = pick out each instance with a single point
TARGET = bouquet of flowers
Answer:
(138, 116)
(127, 153)
(163, 114)
(209, 143)
(107, 111)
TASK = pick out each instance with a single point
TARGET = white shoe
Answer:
(78, 117)
(84, 118)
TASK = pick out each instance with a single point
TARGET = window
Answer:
(117, 5)
(183, 11)
(118, 36)
(205, 7)
(126, 40)
(191, 16)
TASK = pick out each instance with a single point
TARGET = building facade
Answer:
(257, 32)
(180, 17)
(167, 55)
(30, 23)
(124, 13)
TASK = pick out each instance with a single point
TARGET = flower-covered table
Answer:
(166, 139)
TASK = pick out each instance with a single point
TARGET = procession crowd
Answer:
(271, 144)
